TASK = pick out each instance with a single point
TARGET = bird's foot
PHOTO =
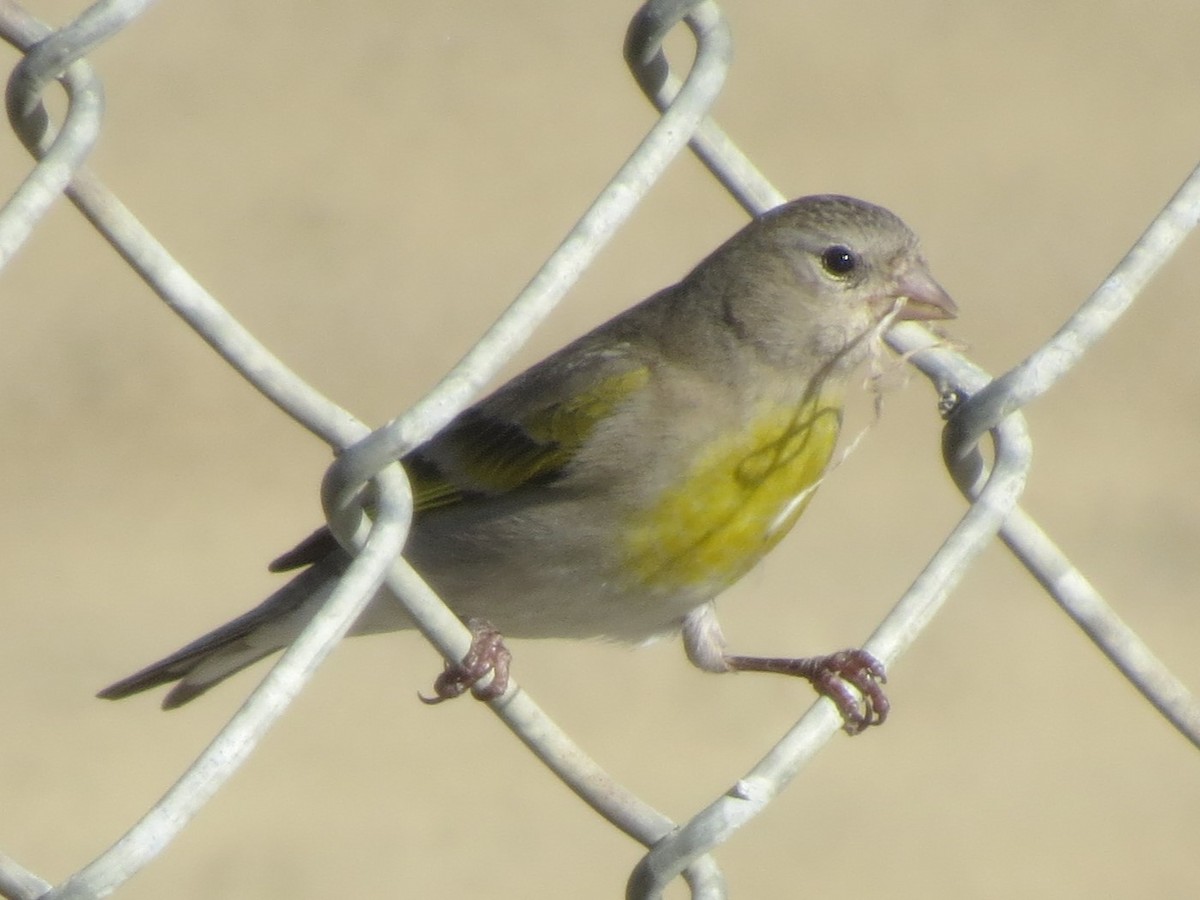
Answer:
(487, 654)
(832, 676)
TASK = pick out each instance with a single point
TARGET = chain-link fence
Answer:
(1017, 228)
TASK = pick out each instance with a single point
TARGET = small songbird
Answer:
(614, 489)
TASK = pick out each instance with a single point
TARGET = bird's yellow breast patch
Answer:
(740, 497)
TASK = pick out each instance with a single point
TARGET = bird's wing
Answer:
(524, 435)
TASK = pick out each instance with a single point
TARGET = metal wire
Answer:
(986, 408)
(60, 154)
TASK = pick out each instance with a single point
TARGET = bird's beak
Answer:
(924, 299)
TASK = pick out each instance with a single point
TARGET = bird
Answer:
(616, 488)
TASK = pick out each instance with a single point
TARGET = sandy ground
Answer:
(365, 186)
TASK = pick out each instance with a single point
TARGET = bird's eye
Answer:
(839, 261)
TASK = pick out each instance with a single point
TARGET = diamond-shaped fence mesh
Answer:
(451, 144)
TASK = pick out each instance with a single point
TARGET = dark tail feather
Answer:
(227, 650)
(179, 665)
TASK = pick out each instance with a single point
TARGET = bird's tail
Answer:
(208, 660)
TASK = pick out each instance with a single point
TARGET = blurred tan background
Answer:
(366, 185)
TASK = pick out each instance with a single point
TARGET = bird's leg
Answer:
(831, 676)
(487, 654)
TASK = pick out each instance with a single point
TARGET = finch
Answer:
(617, 487)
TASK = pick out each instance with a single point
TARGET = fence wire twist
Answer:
(982, 408)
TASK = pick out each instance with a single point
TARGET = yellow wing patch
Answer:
(481, 454)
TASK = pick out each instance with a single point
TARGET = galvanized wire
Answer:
(61, 153)
(992, 406)
(985, 407)
(364, 460)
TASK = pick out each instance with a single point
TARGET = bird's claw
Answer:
(866, 674)
(487, 654)
(832, 676)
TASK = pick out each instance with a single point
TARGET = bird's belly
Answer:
(581, 565)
